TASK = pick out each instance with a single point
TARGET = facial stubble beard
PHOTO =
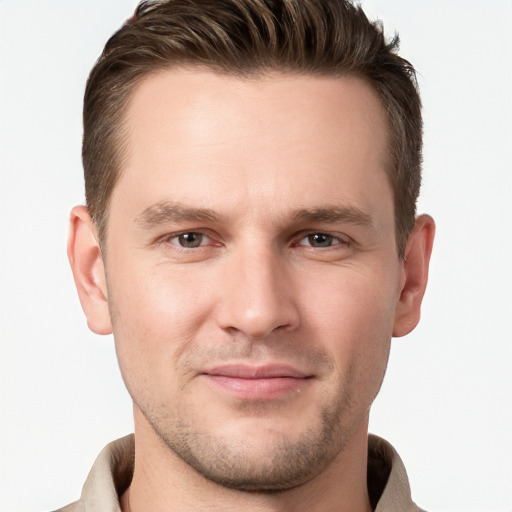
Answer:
(285, 465)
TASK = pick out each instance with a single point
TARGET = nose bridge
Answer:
(258, 299)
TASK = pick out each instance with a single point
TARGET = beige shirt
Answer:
(112, 471)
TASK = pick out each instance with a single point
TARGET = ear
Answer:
(88, 271)
(414, 276)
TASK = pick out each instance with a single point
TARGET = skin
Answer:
(277, 188)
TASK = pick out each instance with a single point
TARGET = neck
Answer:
(161, 478)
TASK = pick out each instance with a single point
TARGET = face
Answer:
(252, 271)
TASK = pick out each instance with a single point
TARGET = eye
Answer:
(322, 240)
(190, 240)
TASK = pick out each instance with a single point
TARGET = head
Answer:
(251, 171)
(244, 39)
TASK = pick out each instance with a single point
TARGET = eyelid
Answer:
(169, 237)
(341, 238)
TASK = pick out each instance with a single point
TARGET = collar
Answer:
(112, 472)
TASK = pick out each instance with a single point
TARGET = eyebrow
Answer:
(169, 211)
(332, 214)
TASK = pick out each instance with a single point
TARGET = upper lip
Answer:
(267, 371)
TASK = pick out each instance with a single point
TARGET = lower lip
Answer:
(258, 389)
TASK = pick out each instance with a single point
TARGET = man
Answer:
(250, 238)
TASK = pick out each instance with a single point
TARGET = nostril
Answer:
(259, 323)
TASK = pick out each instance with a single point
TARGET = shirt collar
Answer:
(112, 472)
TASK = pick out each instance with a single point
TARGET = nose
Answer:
(257, 297)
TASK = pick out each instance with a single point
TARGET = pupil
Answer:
(320, 240)
(191, 239)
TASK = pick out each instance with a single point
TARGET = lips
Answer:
(257, 382)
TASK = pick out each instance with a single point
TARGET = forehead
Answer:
(280, 139)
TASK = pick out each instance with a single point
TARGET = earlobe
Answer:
(414, 276)
(88, 271)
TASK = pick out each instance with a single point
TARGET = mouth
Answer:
(257, 382)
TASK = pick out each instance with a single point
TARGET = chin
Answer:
(261, 457)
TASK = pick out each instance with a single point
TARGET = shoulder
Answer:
(388, 484)
(72, 507)
(108, 478)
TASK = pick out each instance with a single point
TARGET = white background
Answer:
(446, 403)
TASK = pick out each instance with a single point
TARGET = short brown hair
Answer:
(242, 38)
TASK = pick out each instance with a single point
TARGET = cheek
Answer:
(156, 316)
(353, 317)
(160, 302)
(355, 327)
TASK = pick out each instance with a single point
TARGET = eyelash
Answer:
(333, 240)
(169, 239)
(336, 240)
